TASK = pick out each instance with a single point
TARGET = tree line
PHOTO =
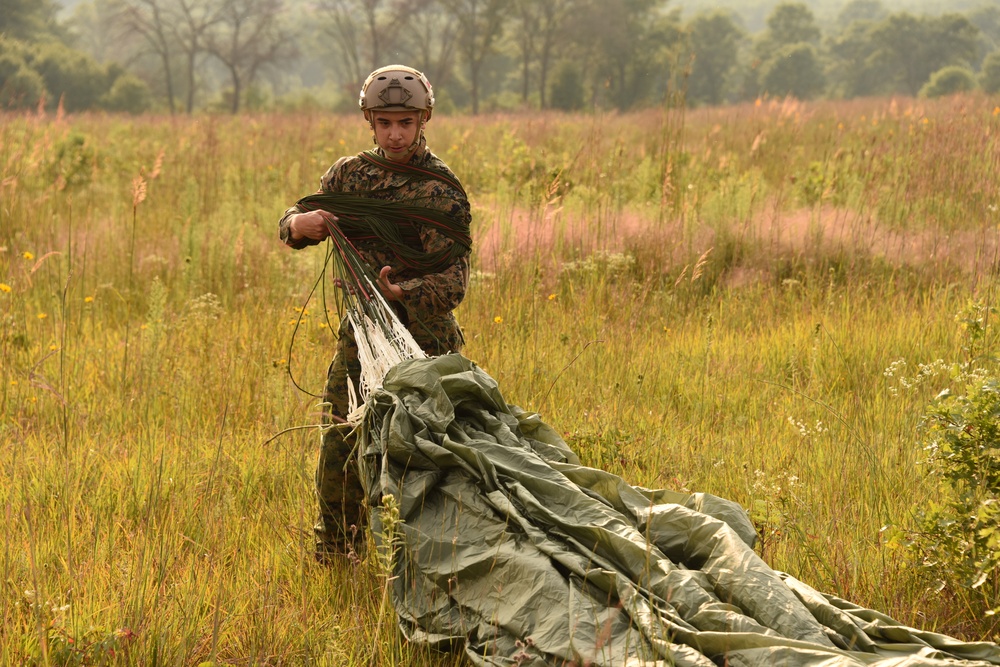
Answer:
(181, 56)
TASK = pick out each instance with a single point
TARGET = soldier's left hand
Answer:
(390, 290)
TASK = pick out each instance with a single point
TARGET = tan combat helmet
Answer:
(397, 88)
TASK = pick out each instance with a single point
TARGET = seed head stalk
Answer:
(138, 195)
(64, 319)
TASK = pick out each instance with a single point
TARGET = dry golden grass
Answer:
(702, 301)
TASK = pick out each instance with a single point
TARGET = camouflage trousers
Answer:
(338, 487)
(342, 511)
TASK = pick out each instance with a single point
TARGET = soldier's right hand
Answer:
(310, 225)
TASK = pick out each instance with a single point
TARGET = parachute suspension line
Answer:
(390, 224)
(366, 217)
(382, 339)
(298, 323)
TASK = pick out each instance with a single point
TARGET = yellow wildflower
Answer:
(498, 319)
(4, 287)
(28, 255)
(42, 316)
(552, 297)
(53, 347)
(88, 299)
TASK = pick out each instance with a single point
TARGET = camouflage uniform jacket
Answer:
(428, 298)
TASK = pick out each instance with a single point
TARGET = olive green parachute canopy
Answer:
(512, 551)
(506, 547)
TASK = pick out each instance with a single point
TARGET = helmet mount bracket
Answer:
(395, 95)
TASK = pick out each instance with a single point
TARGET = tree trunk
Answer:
(237, 91)
(190, 79)
(474, 91)
(543, 73)
(165, 57)
(525, 81)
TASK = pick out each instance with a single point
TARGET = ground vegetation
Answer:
(761, 301)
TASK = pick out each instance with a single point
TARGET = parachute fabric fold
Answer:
(515, 553)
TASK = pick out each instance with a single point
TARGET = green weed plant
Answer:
(957, 536)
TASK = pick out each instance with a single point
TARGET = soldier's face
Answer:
(395, 132)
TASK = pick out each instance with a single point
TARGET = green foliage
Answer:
(793, 70)
(855, 68)
(912, 48)
(958, 534)
(714, 42)
(989, 77)
(15, 48)
(628, 51)
(128, 94)
(986, 18)
(949, 81)
(316, 100)
(62, 641)
(790, 26)
(70, 76)
(388, 531)
(29, 71)
(865, 11)
(815, 186)
(791, 23)
(599, 268)
(28, 19)
(73, 160)
(567, 88)
(20, 86)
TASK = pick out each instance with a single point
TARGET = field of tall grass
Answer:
(757, 302)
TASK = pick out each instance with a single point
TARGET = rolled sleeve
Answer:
(285, 231)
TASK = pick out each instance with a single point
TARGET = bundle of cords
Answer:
(368, 215)
(383, 341)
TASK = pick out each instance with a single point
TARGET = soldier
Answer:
(397, 102)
